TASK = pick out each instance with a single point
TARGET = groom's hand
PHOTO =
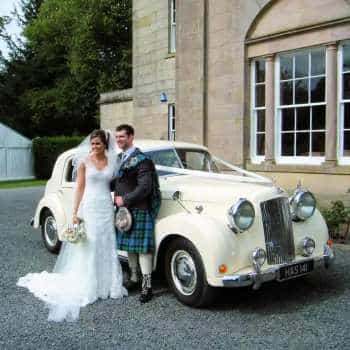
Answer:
(119, 201)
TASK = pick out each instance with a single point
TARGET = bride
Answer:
(89, 269)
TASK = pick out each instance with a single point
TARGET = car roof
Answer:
(153, 145)
(148, 145)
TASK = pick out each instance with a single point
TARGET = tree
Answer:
(73, 50)
(3, 21)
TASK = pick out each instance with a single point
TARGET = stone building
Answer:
(265, 84)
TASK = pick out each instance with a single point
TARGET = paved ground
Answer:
(308, 313)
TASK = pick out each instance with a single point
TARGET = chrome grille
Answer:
(278, 230)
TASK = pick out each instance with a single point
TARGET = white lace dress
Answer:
(87, 270)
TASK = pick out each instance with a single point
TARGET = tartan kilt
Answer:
(140, 238)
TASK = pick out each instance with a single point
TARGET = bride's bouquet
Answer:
(74, 233)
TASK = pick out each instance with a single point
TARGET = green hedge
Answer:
(47, 149)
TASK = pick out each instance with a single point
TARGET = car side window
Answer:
(69, 172)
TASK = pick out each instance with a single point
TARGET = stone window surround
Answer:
(269, 47)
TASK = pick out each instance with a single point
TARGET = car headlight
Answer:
(303, 205)
(241, 215)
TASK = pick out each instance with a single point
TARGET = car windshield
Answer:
(191, 159)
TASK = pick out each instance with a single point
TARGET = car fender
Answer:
(53, 203)
(210, 237)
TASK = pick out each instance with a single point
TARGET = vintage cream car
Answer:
(218, 226)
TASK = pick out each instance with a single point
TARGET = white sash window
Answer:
(301, 106)
(258, 88)
(344, 103)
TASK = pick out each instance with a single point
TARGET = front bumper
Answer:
(256, 278)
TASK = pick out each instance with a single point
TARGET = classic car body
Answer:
(218, 226)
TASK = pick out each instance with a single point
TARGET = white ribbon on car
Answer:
(245, 175)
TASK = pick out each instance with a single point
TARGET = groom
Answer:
(137, 188)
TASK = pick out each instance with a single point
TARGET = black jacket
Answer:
(135, 185)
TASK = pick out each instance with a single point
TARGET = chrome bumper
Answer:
(256, 279)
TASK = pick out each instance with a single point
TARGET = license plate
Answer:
(290, 271)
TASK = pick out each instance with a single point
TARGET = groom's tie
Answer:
(123, 156)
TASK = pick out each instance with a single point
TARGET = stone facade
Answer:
(153, 74)
(209, 79)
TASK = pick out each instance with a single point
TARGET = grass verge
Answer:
(21, 183)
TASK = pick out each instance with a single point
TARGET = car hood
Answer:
(202, 189)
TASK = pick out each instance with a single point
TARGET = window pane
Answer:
(301, 65)
(346, 144)
(260, 123)
(288, 144)
(259, 95)
(286, 67)
(301, 91)
(346, 58)
(346, 86)
(260, 71)
(319, 117)
(346, 115)
(318, 144)
(260, 144)
(286, 93)
(317, 62)
(317, 89)
(287, 119)
(303, 118)
(303, 144)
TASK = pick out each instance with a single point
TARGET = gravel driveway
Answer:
(308, 313)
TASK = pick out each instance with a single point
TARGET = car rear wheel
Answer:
(49, 232)
(186, 275)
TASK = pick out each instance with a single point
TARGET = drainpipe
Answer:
(205, 72)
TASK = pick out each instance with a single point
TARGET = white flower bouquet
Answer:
(74, 233)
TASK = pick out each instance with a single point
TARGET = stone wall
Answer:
(153, 73)
(116, 108)
(153, 68)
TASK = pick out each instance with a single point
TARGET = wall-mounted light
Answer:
(163, 97)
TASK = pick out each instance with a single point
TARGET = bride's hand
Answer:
(76, 220)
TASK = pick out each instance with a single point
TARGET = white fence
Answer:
(16, 163)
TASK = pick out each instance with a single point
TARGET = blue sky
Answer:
(6, 7)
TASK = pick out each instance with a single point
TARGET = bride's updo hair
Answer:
(102, 135)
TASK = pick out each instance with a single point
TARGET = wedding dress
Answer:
(89, 269)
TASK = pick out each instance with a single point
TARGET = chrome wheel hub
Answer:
(183, 272)
(50, 230)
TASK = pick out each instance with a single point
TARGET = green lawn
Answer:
(21, 183)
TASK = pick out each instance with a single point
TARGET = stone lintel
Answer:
(116, 96)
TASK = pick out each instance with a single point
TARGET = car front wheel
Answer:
(49, 232)
(186, 275)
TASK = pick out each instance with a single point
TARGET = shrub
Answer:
(47, 149)
(338, 220)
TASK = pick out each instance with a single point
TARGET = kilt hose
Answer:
(140, 238)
